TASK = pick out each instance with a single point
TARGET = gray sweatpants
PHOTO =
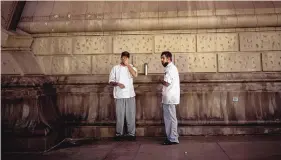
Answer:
(125, 109)
(171, 122)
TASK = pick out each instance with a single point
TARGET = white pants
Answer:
(171, 122)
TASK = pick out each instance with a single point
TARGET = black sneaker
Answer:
(117, 138)
(167, 142)
(131, 138)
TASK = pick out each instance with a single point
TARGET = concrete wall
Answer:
(230, 79)
(207, 51)
(231, 51)
(230, 76)
(54, 17)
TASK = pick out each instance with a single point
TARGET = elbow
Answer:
(135, 75)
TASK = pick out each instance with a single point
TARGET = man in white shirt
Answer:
(170, 98)
(121, 77)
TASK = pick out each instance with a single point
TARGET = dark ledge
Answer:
(36, 80)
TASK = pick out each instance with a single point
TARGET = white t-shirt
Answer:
(171, 94)
(121, 74)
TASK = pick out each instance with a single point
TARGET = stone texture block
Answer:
(61, 45)
(175, 43)
(75, 45)
(239, 62)
(208, 12)
(71, 65)
(95, 7)
(148, 14)
(187, 13)
(61, 8)
(149, 6)
(208, 22)
(260, 41)
(196, 62)
(42, 46)
(271, 61)
(279, 19)
(58, 27)
(140, 131)
(133, 44)
(58, 65)
(169, 23)
(46, 64)
(75, 25)
(4, 37)
(17, 42)
(80, 65)
(112, 7)
(153, 60)
(111, 25)
(247, 21)
(9, 65)
(245, 7)
(43, 9)
(78, 8)
(131, 9)
(150, 24)
(102, 64)
(267, 20)
(128, 24)
(93, 25)
(227, 21)
(107, 132)
(92, 44)
(217, 42)
(27, 62)
(264, 10)
(263, 7)
(112, 15)
(277, 6)
(278, 9)
(167, 14)
(225, 12)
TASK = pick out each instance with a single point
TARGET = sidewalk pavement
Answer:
(264, 147)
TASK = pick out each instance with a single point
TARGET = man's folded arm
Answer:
(167, 79)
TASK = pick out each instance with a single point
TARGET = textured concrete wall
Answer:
(193, 52)
(143, 9)
(230, 50)
(211, 103)
(54, 17)
(229, 77)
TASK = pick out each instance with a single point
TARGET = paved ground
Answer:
(190, 148)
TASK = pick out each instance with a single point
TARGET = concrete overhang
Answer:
(62, 17)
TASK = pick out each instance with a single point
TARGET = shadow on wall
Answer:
(29, 111)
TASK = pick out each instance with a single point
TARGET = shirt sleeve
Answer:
(135, 69)
(112, 75)
(168, 77)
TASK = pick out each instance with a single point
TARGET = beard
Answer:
(165, 64)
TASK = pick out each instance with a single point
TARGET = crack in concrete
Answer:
(223, 150)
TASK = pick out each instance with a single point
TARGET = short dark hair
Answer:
(167, 54)
(125, 53)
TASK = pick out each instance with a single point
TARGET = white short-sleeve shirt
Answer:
(121, 74)
(171, 94)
